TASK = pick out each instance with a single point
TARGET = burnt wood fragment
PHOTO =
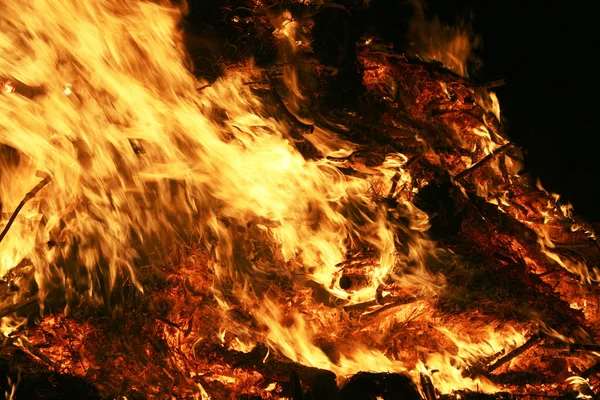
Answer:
(27, 197)
(387, 386)
(532, 341)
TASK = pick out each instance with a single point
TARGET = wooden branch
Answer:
(10, 85)
(573, 347)
(18, 306)
(27, 197)
(361, 306)
(492, 84)
(483, 161)
(33, 351)
(532, 341)
(587, 347)
(272, 367)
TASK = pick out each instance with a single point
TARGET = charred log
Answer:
(367, 385)
(532, 341)
(27, 197)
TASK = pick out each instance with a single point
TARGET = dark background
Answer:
(547, 52)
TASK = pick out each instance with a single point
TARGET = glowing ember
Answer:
(8, 87)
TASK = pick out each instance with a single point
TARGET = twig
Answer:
(166, 321)
(27, 197)
(369, 317)
(573, 347)
(29, 348)
(9, 85)
(483, 161)
(264, 81)
(479, 367)
(591, 371)
(532, 341)
(587, 347)
(492, 84)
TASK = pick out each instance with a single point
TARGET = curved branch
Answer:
(27, 197)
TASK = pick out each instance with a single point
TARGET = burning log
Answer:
(532, 341)
(483, 161)
(275, 370)
(430, 84)
(479, 222)
(18, 306)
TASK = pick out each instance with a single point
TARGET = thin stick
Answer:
(29, 348)
(492, 84)
(573, 347)
(483, 161)
(532, 341)
(27, 197)
(427, 387)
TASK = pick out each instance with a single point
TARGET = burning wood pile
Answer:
(326, 219)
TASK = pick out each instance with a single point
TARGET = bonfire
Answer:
(284, 217)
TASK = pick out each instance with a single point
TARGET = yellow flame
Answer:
(130, 88)
(434, 41)
(446, 369)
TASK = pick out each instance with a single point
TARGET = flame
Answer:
(581, 386)
(190, 169)
(448, 369)
(140, 158)
(136, 154)
(433, 41)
